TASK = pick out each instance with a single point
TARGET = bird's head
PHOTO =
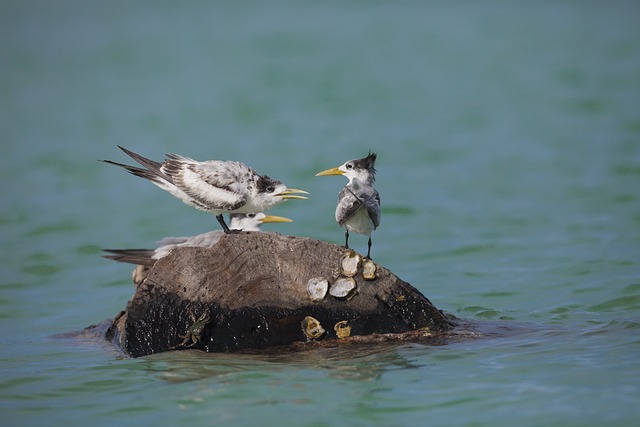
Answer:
(363, 169)
(270, 192)
(253, 221)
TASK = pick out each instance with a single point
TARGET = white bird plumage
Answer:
(148, 257)
(214, 186)
(358, 207)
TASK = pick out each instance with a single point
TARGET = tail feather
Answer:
(132, 256)
(142, 173)
(151, 165)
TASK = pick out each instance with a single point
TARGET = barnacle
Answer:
(317, 288)
(343, 287)
(349, 263)
(312, 328)
(369, 270)
(342, 329)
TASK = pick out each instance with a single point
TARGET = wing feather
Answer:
(214, 184)
(352, 198)
(132, 256)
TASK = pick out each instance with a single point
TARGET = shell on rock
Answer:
(342, 329)
(343, 287)
(317, 288)
(349, 263)
(369, 270)
(312, 328)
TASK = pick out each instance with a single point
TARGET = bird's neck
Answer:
(362, 180)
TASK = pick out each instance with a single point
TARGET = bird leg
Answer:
(225, 227)
(346, 239)
(369, 251)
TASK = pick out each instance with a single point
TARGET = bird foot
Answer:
(232, 231)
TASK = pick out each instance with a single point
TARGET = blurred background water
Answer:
(508, 136)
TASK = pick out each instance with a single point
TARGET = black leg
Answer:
(369, 251)
(346, 239)
(225, 227)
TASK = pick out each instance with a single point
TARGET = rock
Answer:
(251, 291)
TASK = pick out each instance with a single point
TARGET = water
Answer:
(509, 169)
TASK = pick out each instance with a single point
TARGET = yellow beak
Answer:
(273, 218)
(328, 172)
(289, 194)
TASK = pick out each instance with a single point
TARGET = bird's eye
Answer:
(251, 215)
(349, 166)
(271, 189)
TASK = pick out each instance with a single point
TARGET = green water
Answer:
(508, 136)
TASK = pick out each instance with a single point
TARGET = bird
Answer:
(358, 207)
(214, 186)
(148, 257)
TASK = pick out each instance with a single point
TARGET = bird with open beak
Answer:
(215, 186)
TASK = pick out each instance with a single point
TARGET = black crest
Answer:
(367, 163)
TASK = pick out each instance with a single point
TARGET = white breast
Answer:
(360, 222)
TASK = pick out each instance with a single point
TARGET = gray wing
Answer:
(355, 197)
(175, 241)
(204, 240)
(372, 202)
(213, 184)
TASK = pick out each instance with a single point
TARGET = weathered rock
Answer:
(250, 291)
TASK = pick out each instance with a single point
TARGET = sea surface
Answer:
(508, 141)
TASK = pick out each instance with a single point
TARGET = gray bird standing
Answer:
(358, 207)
